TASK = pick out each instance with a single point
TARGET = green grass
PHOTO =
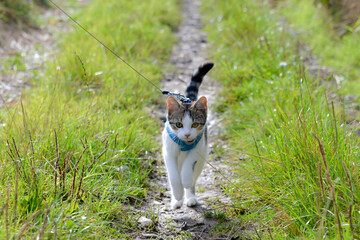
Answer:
(17, 11)
(316, 28)
(301, 177)
(80, 146)
(20, 11)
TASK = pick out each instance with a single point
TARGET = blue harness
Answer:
(183, 145)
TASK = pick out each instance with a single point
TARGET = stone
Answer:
(145, 222)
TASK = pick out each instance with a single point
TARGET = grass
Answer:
(20, 11)
(301, 177)
(316, 28)
(79, 145)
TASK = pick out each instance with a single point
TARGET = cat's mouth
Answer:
(190, 141)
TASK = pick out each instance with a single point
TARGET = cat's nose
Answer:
(187, 135)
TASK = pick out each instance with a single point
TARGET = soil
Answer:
(197, 222)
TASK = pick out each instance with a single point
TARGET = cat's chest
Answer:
(182, 155)
(180, 159)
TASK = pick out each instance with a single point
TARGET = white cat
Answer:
(185, 145)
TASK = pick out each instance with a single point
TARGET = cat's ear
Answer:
(201, 103)
(172, 104)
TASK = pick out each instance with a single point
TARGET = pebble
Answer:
(158, 203)
(145, 222)
(124, 168)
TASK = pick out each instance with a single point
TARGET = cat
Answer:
(185, 143)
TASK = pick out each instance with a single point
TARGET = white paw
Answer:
(191, 202)
(175, 204)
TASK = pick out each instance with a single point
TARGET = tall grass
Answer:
(78, 148)
(346, 11)
(301, 176)
(19, 11)
(316, 28)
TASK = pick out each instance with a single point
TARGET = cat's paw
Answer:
(175, 204)
(191, 202)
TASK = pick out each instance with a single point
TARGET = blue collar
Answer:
(183, 145)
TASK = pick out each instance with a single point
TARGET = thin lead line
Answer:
(72, 19)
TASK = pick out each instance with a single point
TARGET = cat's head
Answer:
(187, 120)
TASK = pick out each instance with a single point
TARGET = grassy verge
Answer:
(316, 28)
(77, 150)
(20, 11)
(301, 177)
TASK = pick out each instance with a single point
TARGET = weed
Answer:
(316, 28)
(214, 214)
(19, 11)
(13, 63)
(295, 181)
(80, 142)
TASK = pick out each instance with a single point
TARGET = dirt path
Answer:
(24, 50)
(197, 222)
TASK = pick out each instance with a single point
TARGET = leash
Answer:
(179, 96)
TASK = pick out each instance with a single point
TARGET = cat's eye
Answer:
(179, 125)
(195, 125)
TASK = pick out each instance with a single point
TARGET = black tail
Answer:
(196, 79)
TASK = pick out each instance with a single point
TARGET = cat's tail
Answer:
(196, 79)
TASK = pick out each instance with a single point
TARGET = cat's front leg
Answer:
(193, 165)
(177, 189)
